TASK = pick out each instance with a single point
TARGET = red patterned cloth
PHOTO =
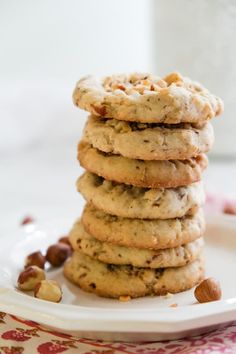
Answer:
(21, 336)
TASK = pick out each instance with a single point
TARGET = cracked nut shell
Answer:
(29, 277)
(48, 290)
(35, 258)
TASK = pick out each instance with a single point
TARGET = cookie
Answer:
(144, 203)
(148, 141)
(110, 280)
(142, 97)
(148, 174)
(120, 255)
(153, 234)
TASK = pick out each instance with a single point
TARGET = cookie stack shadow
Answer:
(143, 149)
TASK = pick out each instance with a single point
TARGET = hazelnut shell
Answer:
(58, 253)
(208, 290)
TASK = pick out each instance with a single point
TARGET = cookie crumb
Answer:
(173, 305)
(124, 298)
(168, 296)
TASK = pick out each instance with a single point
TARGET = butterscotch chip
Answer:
(114, 254)
(148, 141)
(142, 97)
(149, 174)
(114, 281)
(144, 203)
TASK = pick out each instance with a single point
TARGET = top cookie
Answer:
(147, 98)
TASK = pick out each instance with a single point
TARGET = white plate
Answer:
(144, 319)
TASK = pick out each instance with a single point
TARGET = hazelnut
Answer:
(35, 258)
(65, 239)
(58, 253)
(29, 277)
(48, 290)
(230, 208)
(27, 220)
(208, 290)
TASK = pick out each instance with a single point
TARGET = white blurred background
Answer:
(46, 46)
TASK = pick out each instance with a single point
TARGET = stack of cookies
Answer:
(143, 148)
